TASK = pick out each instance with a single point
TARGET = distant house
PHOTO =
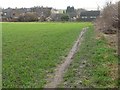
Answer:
(74, 14)
(78, 11)
(1, 13)
(89, 15)
(42, 11)
(7, 13)
(56, 14)
(54, 11)
(17, 12)
(57, 11)
(71, 12)
(10, 14)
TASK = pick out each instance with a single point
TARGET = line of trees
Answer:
(33, 17)
(28, 17)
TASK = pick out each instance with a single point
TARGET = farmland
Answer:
(33, 50)
(95, 64)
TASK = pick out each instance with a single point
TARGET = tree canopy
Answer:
(65, 17)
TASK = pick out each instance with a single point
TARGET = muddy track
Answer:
(60, 70)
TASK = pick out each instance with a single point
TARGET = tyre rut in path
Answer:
(60, 70)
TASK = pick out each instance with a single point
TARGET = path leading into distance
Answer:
(60, 70)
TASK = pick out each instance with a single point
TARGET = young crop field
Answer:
(95, 64)
(31, 51)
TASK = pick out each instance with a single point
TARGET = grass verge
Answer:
(95, 64)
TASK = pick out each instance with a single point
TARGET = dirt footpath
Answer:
(60, 70)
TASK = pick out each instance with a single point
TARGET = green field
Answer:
(32, 50)
(94, 65)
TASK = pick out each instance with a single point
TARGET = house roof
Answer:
(90, 13)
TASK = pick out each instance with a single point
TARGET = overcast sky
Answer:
(58, 4)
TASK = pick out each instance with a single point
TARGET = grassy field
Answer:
(95, 65)
(32, 50)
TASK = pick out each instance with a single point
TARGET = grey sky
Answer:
(59, 4)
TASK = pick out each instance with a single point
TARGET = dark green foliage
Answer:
(65, 17)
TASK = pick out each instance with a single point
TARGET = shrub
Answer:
(65, 17)
(108, 20)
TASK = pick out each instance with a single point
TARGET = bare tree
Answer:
(28, 17)
(108, 20)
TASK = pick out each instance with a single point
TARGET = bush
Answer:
(108, 21)
(65, 17)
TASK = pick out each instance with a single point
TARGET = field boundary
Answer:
(60, 70)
